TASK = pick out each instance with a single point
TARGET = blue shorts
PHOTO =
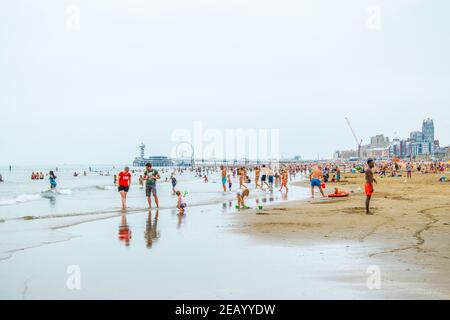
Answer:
(224, 180)
(315, 182)
(270, 179)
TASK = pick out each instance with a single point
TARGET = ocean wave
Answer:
(107, 187)
(63, 191)
(20, 199)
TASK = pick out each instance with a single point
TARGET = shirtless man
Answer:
(316, 178)
(257, 173)
(242, 176)
(264, 177)
(223, 172)
(368, 187)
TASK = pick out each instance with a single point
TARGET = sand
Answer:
(408, 236)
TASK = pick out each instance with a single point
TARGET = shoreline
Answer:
(397, 234)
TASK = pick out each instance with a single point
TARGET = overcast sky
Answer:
(137, 70)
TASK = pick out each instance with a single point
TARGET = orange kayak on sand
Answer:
(340, 194)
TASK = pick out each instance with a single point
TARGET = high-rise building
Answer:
(379, 141)
(428, 130)
(417, 136)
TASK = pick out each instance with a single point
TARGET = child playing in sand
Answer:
(181, 203)
(240, 195)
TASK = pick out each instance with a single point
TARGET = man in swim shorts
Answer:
(124, 185)
(223, 172)
(368, 187)
(264, 177)
(151, 175)
(316, 178)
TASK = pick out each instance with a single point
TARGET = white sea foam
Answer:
(64, 191)
(20, 199)
(106, 187)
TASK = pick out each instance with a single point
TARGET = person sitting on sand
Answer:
(368, 187)
(240, 195)
(316, 178)
(181, 203)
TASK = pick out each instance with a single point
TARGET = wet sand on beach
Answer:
(408, 236)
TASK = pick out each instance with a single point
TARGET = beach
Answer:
(407, 237)
(285, 246)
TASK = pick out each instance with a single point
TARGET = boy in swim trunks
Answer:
(368, 187)
(316, 177)
(230, 183)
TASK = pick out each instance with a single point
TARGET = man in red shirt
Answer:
(124, 182)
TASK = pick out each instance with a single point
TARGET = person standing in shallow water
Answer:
(223, 173)
(52, 179)
(124, 185)
(151, 175)
(368, 187)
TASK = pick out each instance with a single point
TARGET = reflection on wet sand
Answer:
(151, 231)
(181, 219)
(124, 230)
(259, 201)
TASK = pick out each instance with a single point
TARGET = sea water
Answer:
(198, 255)
(30, 205)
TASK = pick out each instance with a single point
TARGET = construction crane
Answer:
(358, 141)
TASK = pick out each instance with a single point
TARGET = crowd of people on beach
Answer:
(264, 177)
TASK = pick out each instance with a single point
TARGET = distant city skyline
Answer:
(421, 144)
(88, 82)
